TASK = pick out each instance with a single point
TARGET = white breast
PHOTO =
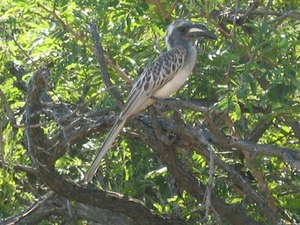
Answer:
(178, 80)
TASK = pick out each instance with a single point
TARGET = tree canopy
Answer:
(224, 149)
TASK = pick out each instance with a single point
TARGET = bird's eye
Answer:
(181, 29)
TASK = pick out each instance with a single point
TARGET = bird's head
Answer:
(181, 31)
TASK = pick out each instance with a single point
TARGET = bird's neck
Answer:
(173, 42)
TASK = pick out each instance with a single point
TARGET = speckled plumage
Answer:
(154, 77)
(160, 79)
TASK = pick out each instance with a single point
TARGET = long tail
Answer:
(113, 133)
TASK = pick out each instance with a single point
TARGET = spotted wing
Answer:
(155, 76)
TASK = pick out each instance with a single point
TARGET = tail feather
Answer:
(113, 133)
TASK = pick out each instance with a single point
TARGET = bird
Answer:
(163, 77)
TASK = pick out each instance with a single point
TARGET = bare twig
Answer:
(210, 183)
(214, 129)
(254, 12)
(168, 16)
(267, 8)
(2, 151)
(282, 17)
(158, 5)
(288, 155)
(70, 212)
(8, 110)
(102, 63)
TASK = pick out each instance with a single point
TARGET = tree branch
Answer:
(102, 63)
(43, 160)
(52, 204)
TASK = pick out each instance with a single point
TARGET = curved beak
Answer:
(199, 30)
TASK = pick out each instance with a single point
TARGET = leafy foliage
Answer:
(247, 81)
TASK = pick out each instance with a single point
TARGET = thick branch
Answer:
(288, 155)
(52, 204)
(188, 182)
(90, 195)
(41, 157)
